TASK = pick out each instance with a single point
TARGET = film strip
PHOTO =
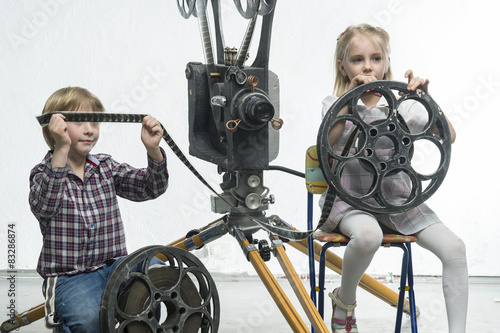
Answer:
(103, 117)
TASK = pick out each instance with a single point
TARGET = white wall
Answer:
(132, 54)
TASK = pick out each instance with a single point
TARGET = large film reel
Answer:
(179, 296)
(393, 131)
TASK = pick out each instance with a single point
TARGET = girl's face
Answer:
(83, 136)
(364, 58)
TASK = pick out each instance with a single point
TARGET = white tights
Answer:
(366, 235)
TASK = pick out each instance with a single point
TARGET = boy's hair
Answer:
(344, 43)
(69, 99)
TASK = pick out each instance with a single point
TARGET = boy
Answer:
(73, 194)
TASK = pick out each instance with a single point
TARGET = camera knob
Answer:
(252, 82)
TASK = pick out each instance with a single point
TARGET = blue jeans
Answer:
(78, 299)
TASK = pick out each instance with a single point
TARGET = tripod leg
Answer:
(208, 233)
(301, 293)
(24, 318)
(275, 290)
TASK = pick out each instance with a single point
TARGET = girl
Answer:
(362, 56)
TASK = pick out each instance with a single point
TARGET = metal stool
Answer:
(406, 284)
(316, 184)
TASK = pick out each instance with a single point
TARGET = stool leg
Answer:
(402, 286)
(321, 278)
(411, 292)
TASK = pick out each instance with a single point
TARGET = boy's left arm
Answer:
(151, 135)
(144, 184)
(140, 184)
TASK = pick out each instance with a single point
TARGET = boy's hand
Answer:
(151, 135)
(62, 142)
(59, 131)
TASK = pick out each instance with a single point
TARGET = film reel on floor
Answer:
(362, 148)
(179, 296)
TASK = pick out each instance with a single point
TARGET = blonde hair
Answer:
(344, 43)
(69, 99)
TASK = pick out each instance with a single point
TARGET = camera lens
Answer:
(254, 109)
(259, 109)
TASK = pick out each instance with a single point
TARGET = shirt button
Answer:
(91, 242)
(91, 225)
(58, 175)
(86, 206)
(89, 258)
(49, 173)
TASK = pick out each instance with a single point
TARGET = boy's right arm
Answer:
(47, 186)
(59, 131)
(48, 179)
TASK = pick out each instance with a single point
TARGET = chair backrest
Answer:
(315, 181)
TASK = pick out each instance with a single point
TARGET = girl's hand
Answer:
(416, 82)
(151, 135)
(59, 131)
(362, 79)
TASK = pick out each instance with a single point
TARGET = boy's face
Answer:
(365, 58)
(83, 136)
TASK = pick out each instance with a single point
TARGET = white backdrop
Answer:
(132, 54)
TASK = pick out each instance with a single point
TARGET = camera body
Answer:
(230, 120)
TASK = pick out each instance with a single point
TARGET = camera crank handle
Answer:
(232, 125)
(276, 123)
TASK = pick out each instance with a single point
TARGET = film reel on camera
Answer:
(179, 296)
(398, 138)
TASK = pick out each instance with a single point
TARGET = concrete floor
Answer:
(247, 307)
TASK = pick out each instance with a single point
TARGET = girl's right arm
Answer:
(338, 127)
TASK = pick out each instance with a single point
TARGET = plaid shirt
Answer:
(80, 220)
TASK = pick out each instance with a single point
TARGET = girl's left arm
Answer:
(415, 82)
(453, 134)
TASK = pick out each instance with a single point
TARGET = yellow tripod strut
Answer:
(275, 290)
(24, 318)
(300, 291)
